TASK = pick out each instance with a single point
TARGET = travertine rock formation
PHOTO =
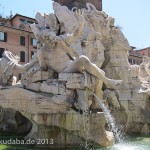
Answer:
(53, 118)
(80, 54)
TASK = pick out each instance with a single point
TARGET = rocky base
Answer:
(55, 119)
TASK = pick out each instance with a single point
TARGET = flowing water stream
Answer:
(86, 130)
(119, 136)
(122, 143)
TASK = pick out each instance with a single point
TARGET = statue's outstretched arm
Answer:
(27, 66)
(78, 31)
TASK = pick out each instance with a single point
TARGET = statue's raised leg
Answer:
(83, 63)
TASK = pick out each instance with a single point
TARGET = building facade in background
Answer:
(16, 36)
(145, 51)
(136, 56)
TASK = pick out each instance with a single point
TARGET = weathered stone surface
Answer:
(145, 129)
(83, 104)
(63, 91)
(78, 81)
(70, 76)
(25, 101)
(124, 95)
(34, 86)
(112, 99)
(67, 25)
(75, 123)
(38, 76)
(49, 88)
(53, 111)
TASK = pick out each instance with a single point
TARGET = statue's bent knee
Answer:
(84, 59)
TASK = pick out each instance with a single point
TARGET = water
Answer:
(119, 136)
(134, 143)
(86, 130)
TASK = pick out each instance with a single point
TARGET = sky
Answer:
(131, 15)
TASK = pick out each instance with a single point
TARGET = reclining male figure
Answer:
(56, 53)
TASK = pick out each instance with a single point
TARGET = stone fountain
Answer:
(79, 52)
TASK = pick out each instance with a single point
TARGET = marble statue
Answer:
(142, 72)
(57, 55)
(145, 68)
(9, 63)
(78, 51)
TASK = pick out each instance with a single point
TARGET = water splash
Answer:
(119, 136)
(88, 145)
(127, 146)
(86, 130)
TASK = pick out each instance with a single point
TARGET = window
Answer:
(130, 61)
(22, 56)
(32, 53)
(22, 20)
(3, 36)
(134, 61)
(1, 51)
(30, 22)
(20, 75)
(22, 40)
(26, 21)
(33, 42)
